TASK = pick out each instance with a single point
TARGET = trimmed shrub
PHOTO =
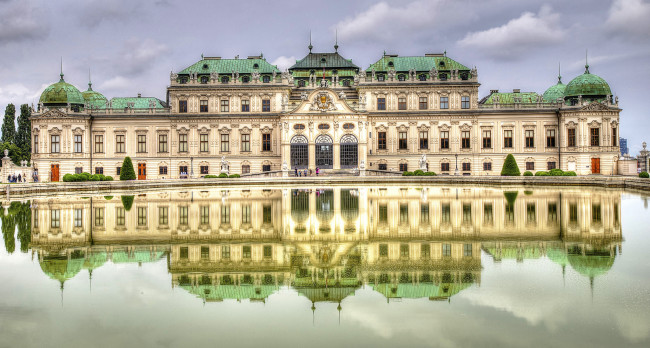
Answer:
(108, 198)
(644, 175)
(542, 173)
(418, 172)
(223, 175)
(510, 167)
(210, 176)
(528, 193)
(234, 176)
(528, 173)
(430, 174)
(556, 172)
(127, 202)
(67, 178)
(511, 196)
(570, 173)
(86, 177)
(407, 174)
(127, 172)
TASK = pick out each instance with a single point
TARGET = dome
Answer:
(61, 268)
(587, 85)
(93, 98)
(553, 93)
(61, 93)
(591, 265)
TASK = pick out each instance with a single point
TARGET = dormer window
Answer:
(323, 60)
(183, 79)
(391, 64)
(224, 79)
(401, 77)
(301, 83)
(266, 78)
(346, 83)
(423, 77)
(464, 76)
(443, 77)
(245, 79)
(255, 66)
(204, 79)
(380, 77)
(205, 66)
(442, 64)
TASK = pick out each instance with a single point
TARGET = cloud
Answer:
(519, 36)
(629, 17)
(94, 12)
(18, 93)
(117, 83)
(137, 56)
(284, 62)
(20, 21)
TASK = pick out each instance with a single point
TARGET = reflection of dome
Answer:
(591, 265)
(93, 98)
(95, 260)
(557, 255)
(61, 94)
(211, 293)
(587, 85)
(61, 268)
(421, 290)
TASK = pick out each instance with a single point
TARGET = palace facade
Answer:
(245, 116)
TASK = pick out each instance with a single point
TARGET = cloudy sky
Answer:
(131, 46)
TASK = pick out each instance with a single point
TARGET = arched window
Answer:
(299, 153)
(348, 126)
(423, 77)
(323, 126)
(346, 82)
(224, 79)
(349, 151)
(324, 156)
(204, 79)
(299, 126)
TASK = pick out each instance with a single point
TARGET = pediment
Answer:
(55, 113)
(323, 100)
(595, 106)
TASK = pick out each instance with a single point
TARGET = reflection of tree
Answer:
(24, 223)
(9, 229)
(18, 214)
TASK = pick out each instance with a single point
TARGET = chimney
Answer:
(516, 90)
(492, 91)
(139, 95)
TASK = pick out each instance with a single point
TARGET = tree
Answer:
(24, 133)
(15, 153)
(127, 172)
(510, 167)
(9, 124)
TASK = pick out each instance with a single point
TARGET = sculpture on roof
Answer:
(173, 76)
(255, 76)
(274, 74)
(433, 74)
(391, 74)
(214, 76)
(373, 73)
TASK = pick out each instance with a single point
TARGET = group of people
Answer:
(305, 172)
(13, 178)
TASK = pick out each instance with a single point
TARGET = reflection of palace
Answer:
(327, 243)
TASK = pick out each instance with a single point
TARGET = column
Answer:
(312, 156)
(336, 154)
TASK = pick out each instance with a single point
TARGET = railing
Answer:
(375, 172)
(273, 173)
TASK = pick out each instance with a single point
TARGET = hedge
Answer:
(644, 175)
(556, 172)
(528, 173)
(407, 174)
(86, 177)
(430, 174)
(510, 167)
(542, 173)
(223, 175)
(570, 173)
(418, 172)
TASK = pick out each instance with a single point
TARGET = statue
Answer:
(356, 79)
(224, 165)
(423, 162)
(362, 165)
(433, 73)
(342, 95)
(255, 76)
(285, 74)
(285, 167)
(616, 100)
(391, 74)
(214, 76)
(303, 96)
(373, 73)
(274, 74)
(6, 153)
(173, 76)
(152, 103)
(285, 99)
(323, 83)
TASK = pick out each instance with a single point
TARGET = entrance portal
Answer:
(324, 157)
(299, 152)
(595, 165)
(349, 151)
(54, 169)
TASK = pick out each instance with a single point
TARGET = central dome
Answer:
(587, 85)
(61, 94)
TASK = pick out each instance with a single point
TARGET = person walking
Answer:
(296, 170)
(317, 169)
(20, 178)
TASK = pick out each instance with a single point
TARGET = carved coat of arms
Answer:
(322, 102)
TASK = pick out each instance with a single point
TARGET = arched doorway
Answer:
(324, 158)
(299, 152)
(349, 151)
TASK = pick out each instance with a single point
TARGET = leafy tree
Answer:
(15, 153)
(9, 229)
(24, 133)
(24, 223)
(127, 172)
(510, 167)
(9, 124)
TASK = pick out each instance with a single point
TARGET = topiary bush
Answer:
(430, 174)
(644, 175)
(511, 196)
(67, 178)
(86, 177)
(510, 167)
(528, 173)
(418, 172)
(542, 173)
(127, 202)
(223, 175)
(407, 174)
(127, 172)
(570, 173)
(210, 176)
(556, 172)
(234, 176)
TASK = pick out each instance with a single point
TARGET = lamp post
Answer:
(456, 171)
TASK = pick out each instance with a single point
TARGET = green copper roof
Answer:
(323, 60)
(211, 292)
(93, 98)
(62, 268)
(554, 92)
(591, 265)
(227, 66)
(137, 256)
(420, 290)
(61, 93)
(587, 84)
(509, 98)
(419, 63)
(138, 102)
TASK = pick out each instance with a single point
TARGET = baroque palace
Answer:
(400, 114)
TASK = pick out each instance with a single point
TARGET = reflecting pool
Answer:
(314, 267)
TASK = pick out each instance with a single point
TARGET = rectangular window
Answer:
(182, 143)
(487, 139)
(266, 142)
(487, 166)
(550, 138)
(550, 165)
(403, 167)
(444, 102)
(35, 149)
(204, 170)
(162, 170)
(182, 106)
(203, 107)
(267, 251)
(403, 141)
(507, 138)
(205, 214)
(225, 251)
(205, 253)
(487, 213)
(614, 137)
(162, 143)
(404, 250)
(120, 216)
(266, 105)
(142, 143)
(55, 221)
(246, 214)
(401, 103)
(182, 170)
(573, 212)
(245, 142)
(203, 142)
(225, 214)
(182, 215)
(99, 170)
(99, 216)
(78, 145)
(78, 170)
(118, 170)
(424, 140)
(225, 106)
(595, 136)
(444, 167)
(245, 105)
(142, 216)
(99, 143)
(530, 165)
(446, 249)
(267, 213)
(120, 143)
(163, 216)
(424, 213)
(266, 167)
(467, 250)
(467, 167)
(424, 104)
(571, 137)
(444, 140)
(184, 253)
(467, 212)
(245, 169)
(381, 103)
(381, 140)
(246, 252)
(530, 138)
(225, 142)
(78, 218)
(464, 102)
(531, 215)
(445, 213)
(382, 166)
(464, 138)
(383, 250)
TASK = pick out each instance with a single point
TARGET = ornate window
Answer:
(182, 106)
(444, 167)
(245, 79)
(99, 143)
(99, 170)
(182, 143)
(120, 143)
(381, 103)
(550, 138)
(595, 136)
(162, 143)
(464, 102)
(424, 104)
(348, 126)
(204, 106)
(301, 83)
(530, 165)
(225, 142)
(467, 167)
(324, 155)
(424, 140)
(203, 140)
(266, 104)
(530, 138)
(401, 103)
(245, 105)
(245, 142)
(142, 143)
(444, 140)
(266, 142)
(403, 140)
(487, 139)
(204, 170)
(204, 79)
(401, 77)
(403, 167)
(323, 126)
(299, 126)
(507, 138)
(550, 165)
(78, 144)
(465, 140)
(444, 102)
(162, 170)
(346, 82)
(571, 137)
(225, 105)
(349, 151)
(487, 166)
(422, 77)
(224, 79)
(381, 140)
(380, 77)
(245, 169)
